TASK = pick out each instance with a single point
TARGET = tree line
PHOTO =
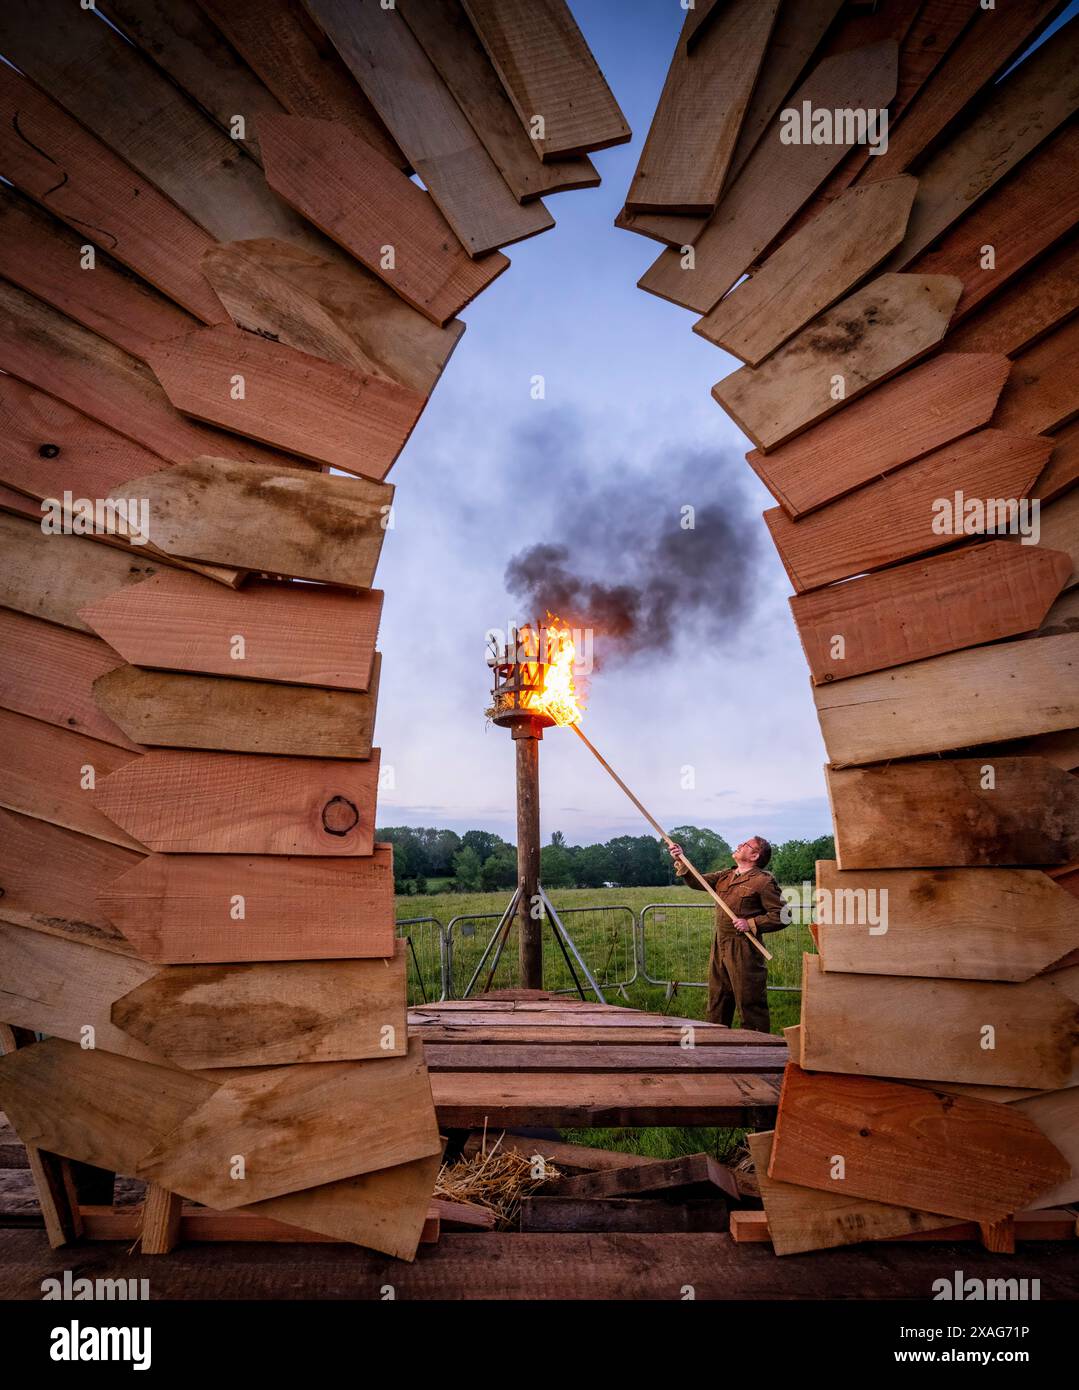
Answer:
(479, 860)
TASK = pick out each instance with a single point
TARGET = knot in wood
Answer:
(48, 451)
(339, 816)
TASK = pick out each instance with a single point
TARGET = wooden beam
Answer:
(159, 1225)
(965, 924)
(569, 1158)
(844, 352)
(1023, 688)
(179, 909)
(596, 1030)
(567, 1057)
(543, 1213)
(238, 803)
(548, 70)
(1005, 811)
(691, 1175)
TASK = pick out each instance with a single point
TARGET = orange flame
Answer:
(559, 697)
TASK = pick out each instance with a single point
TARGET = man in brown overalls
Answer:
(737, 973)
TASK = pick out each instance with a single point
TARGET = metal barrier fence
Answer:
(672, 934)
(426, 951)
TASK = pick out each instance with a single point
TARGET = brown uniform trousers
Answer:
(737, 973)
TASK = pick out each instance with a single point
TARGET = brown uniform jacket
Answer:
(754, 896)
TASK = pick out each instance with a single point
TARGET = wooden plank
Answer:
(310, 302)
(450, 42)
(669, 229)
(1060, 530)
(1028, 309)
(687, 152)
(775, 182)
(892, 519)
(303, 525)
(1062, 471)
(161, 709)
(159, 1227)
(179, 909)
(801, 1218)
(1023, 688)
(238, 803)
(1042, 393)
(609, 1034)
(49, 673)
(297, 1127)
(1057, 1117)
(417, 108)
(544, 1213)
(860, 342)
(1033, 1027)
(49, 774)
(570, 1158)
(1028, 815)
(548, 70)
(269, 1014)
(50, 875)
(555, 1057)
(290, 400)
(988, 1160)
(362, 202)
(966, 924)
(813, 269)
(910, 613)
(99, 193)
(691, 1175)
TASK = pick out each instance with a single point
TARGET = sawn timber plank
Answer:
(570, 1057)
(1042, 393)
(1028, 308)
(1057, 1116)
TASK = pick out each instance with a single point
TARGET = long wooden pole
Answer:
(760, 946)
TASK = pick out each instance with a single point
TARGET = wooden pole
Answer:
(526, 737)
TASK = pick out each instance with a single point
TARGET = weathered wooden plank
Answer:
(451, 43)
(893, 519)
(290, 400)
(964, 924)
(50, 772)
(803, 1218)
(775, 182)
(688, 149)
(1057, 1116)
(548, 70)
(569, 1057)
(163, 709)
(542, 1213)
(987, 1160)
(159, 1223)
(180, 909)
(609, 1032)
(238, 803)
(1062, 471)
(303, 525)
(268, 1014)
(375, 213)
(1060, 531)
(386, 59)
(1042, 393)
(813, 269)
(912, 612)
(670, 229)
(569, 1158)
(902, 420)
(691, 1175)
(291, 632)
(1029, 815)
(48, 674)
(1027, 309)
(844, 352)
(1023, 688)
(50, 875)
(56, 161)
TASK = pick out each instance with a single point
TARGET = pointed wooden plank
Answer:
(913, 612)
(902, 420)
(330, 414)
(965, 924)
(417, 108)
(1029, 815)
(48, 674)
(298, 65)
(1029, 308)
(50, 773)
(1035, 1026)
(56, 161)
(858, 343)
(364, 204)
(1062, 471)
(922, 707)
(298, 1127)
(802, 1218)
(1057, 1117)
(1018, 114)
(450, 42)
(302, 525)
(178, 908)
(668, 228)
(314, 304)
(548, 70)
(1060, 531)
(291, 632)
(236, 803)
(52, 577)
(988, 1160)
(269, 1014)
(812, 270)
(50, 875)
(161, 709)
(892, 519)
(1042, 393)
(688, 149)
(775, 182)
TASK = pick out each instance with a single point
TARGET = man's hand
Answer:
(675, 851)
(740, 924)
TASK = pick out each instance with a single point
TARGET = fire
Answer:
(559, 697)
